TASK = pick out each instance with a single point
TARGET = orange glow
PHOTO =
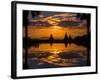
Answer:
(38, 32)
(56, 48)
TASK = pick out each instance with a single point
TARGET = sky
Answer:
(56, 23)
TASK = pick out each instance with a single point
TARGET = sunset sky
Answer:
(57, 24)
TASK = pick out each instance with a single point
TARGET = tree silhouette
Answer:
(86, 17)
(25, 24)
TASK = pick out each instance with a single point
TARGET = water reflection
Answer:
(58, 55)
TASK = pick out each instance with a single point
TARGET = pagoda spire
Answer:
(66, 38)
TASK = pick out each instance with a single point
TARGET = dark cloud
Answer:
(69, 23)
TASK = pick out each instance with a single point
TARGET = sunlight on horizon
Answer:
(56, 31)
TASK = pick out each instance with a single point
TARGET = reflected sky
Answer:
(57, 55)
(56, 47)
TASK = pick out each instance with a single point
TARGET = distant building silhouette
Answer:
(70, 40)
(66, 38)
(51, 38)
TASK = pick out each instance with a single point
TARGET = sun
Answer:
(56, 27)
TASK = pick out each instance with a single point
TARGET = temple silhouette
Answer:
(79, 40)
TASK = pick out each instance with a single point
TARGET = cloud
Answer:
(69, 23)
(62, 19)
